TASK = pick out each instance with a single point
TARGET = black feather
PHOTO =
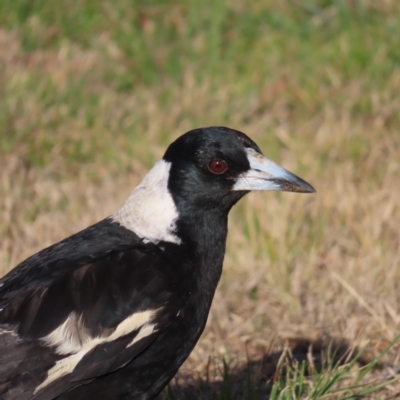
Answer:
(106, 314)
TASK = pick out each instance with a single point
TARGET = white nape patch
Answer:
(150, 210)
(67, 340)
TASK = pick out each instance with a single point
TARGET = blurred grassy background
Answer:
(92, 92)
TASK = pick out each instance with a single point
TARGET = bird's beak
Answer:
(264, 174)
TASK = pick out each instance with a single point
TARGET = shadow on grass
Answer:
(254, 379)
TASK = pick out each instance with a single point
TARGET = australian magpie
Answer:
(113, 311)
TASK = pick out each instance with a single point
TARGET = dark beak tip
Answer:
(303, 186)
(310, 190)
(305, 190)
(297, 186)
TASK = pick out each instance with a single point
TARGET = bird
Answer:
(113, 311)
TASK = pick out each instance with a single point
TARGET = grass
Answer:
(92, 92)
(335, 375)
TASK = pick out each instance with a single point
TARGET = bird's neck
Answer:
(204, 236)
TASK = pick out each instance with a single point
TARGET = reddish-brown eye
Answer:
(218, 166)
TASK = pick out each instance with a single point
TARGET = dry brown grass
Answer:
(298, 269)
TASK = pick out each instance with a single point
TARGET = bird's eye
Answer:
(218, 166)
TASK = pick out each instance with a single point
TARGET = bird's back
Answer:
(75, 312)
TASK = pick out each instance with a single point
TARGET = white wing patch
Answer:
(67, 341)
(69, 337)
(62, 368)
(4, 332)
(146, 330)
(150, 210)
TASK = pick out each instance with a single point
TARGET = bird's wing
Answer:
(84, 247)
(71, 316)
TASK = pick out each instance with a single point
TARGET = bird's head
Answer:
(203, 173)
(216, 166)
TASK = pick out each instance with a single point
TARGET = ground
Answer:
(92, 92)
